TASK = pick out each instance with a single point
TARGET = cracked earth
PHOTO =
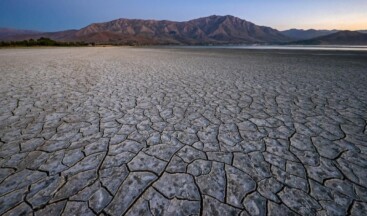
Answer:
(133, 131)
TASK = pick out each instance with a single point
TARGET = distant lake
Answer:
(287, 47)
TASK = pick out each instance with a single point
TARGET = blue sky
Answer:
(53, 15)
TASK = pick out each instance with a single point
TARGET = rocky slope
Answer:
(207, 30)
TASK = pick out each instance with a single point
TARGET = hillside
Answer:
(207, 30)
(338, 38)
(300, 34)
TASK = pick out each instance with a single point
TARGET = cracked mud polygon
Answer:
(140, 131)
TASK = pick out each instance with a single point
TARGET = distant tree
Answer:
(31, 42)
(41, 42)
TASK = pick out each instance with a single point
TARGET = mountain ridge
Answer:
(306, 34)
(205, 30)
(338, 38)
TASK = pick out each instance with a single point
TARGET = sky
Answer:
(55, 15)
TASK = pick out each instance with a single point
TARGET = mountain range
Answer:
(11, 33)
(301, 34)
(207, 30)
(337, 38)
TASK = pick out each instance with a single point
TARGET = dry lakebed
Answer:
(181, 131)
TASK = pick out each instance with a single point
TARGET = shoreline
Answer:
(341, 48)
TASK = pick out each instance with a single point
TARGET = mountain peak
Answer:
(220, 16)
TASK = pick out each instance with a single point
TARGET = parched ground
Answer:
(141, 131)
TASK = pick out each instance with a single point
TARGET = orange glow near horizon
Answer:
(347, 22)
(327, 26)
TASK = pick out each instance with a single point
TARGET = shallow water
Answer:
(288, 47)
